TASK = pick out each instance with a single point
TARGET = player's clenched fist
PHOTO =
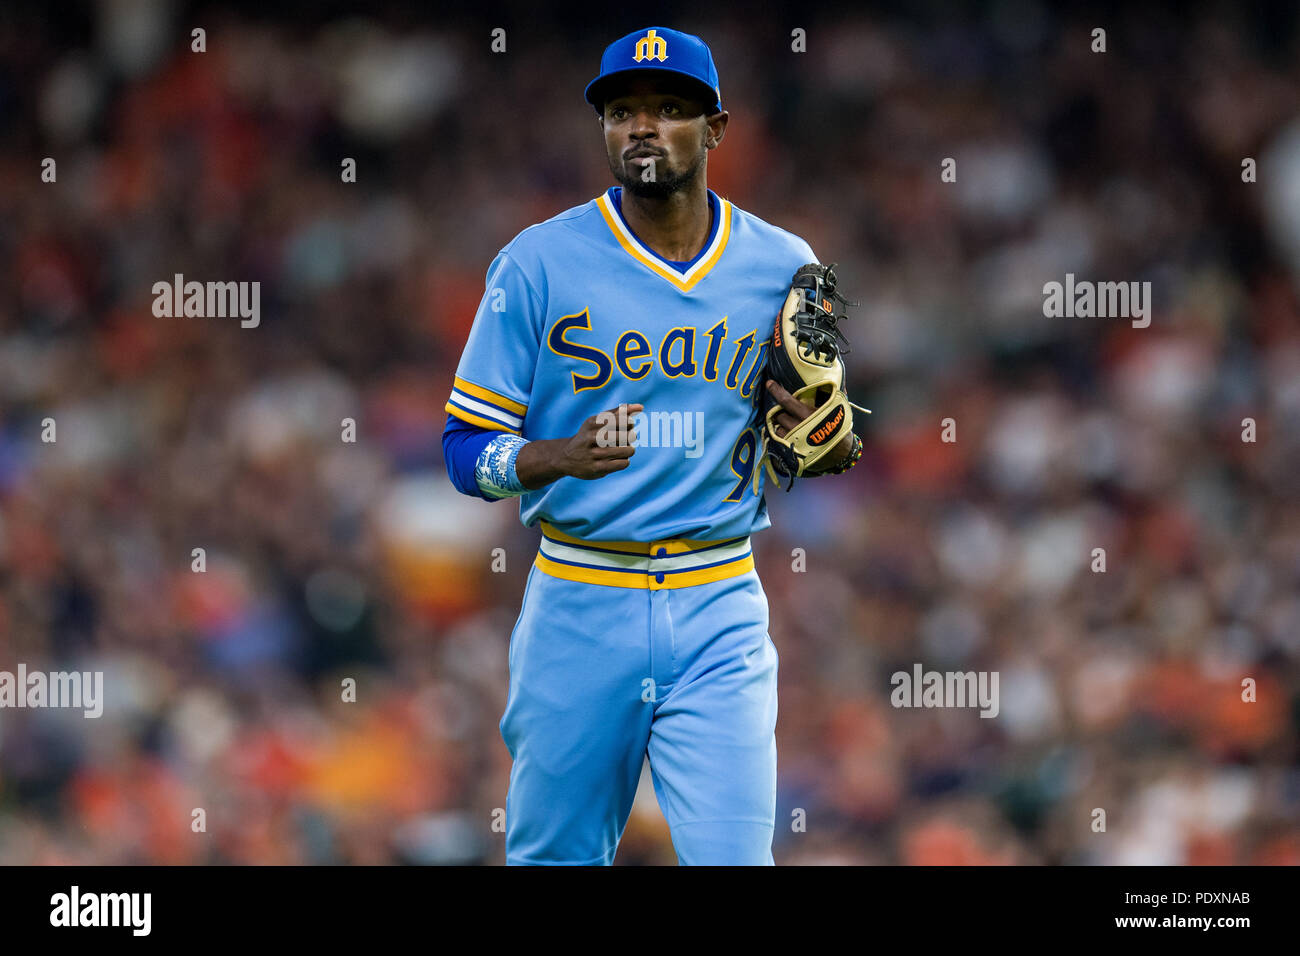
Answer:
(603, 445)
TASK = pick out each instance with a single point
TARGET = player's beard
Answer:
(661, 187)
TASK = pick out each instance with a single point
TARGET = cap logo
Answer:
(651, 47)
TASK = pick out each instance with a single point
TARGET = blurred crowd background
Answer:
(328, 560)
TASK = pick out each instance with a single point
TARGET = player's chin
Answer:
(649, 190)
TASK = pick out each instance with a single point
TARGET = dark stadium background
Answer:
(328, 560)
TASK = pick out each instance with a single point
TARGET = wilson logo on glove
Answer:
(832, 427)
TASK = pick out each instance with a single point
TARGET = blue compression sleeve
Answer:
(462, 443)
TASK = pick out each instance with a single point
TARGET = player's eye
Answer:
(671, 108)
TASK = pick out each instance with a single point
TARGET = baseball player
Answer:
(612, 382)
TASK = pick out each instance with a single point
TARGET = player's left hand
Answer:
(793, 412)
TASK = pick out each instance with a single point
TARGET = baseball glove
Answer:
(805, 358)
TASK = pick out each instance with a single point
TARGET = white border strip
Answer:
(641, 562)
(631, 238)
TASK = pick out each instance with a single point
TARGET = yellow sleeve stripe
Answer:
(479, 420)
(487, 395)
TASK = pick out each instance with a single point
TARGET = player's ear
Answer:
(717, 128)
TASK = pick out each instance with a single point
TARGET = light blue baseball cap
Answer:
(659, 49)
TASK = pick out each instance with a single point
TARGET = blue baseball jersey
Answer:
(579, 316)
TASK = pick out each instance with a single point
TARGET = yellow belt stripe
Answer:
(644, 580)
(672, 545)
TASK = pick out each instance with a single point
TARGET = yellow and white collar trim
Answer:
(685, 281)
(654, 565)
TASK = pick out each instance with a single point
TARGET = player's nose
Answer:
(645, 122)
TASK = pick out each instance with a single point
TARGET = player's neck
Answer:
(675, 227)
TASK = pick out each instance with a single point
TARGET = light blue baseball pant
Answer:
(602, 676)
